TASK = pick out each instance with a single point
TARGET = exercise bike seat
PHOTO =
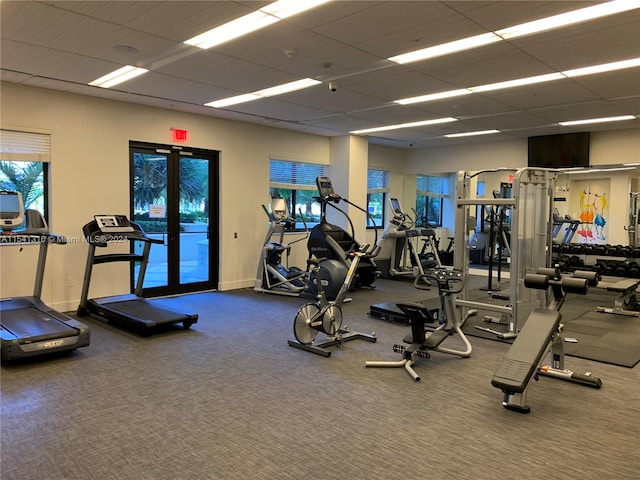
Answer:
(418, 316)
(417, 311)
(515, 371)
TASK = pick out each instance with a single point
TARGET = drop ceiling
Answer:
(64, 45)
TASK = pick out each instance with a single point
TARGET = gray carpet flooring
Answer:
(229, 399)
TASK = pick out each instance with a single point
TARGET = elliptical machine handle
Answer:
(374, 252)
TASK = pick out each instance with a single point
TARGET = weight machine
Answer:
(530, 242)
(632, 228)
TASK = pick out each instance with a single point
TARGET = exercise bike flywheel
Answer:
(310, 320)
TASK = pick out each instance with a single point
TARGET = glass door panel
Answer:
(172, 193)
(150, 179)
(194, 220)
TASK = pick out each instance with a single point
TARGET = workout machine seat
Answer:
(450, 282)
(541, 333)
(515, 371)
(625, 299)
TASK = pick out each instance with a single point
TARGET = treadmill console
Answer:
(113, 223)
(11, 210)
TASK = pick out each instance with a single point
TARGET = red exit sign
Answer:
(179, 135)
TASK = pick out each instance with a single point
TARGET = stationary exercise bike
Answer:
(325, 316)
(332, 242)
(421, 342)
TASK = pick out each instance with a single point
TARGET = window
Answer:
(377, 190)
(24, 158)
(430, 195)
(296, 183)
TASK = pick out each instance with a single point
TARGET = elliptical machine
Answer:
(275, 277)
(398, 255)
(331, 242)
(324, 316)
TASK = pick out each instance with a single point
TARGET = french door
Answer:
(174, 197)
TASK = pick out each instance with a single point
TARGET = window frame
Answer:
(293, 185)
(383, 189)
(428, 195)
(29, 147)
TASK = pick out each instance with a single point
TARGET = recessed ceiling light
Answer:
(536, 26)
(433, 96)
(469, 134)
(446, 48)
(267, 92)
(263, 17)
(568, 18)
(598, 120)
(518, 82)
(607, 67)
(118, 76)
(406, 125)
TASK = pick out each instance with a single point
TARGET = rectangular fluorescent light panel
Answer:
(267, 92)
(287, 87)
(518, 82)
(288, 8)
(232, 30)
(598, 120)
(568, 18)
(536, 26)
(446, 48)
(470, 134)
(607, 67)
(118, 76)
(406, 125)
(433, 96)
(252, 22)
(225, 102)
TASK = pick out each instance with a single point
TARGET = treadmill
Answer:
(28, 327)
(130, 311)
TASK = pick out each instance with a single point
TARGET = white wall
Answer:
(90, 172)
(90, 168)
(479, 156)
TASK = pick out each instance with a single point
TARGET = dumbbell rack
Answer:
(609, 260)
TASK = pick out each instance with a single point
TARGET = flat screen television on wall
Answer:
(559, 151)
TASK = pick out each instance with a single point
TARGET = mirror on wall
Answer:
(599, 202)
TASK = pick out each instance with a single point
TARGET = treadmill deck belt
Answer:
(144, 311)
(34, 325)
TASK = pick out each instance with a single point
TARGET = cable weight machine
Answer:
(632, 228)
(530, 242)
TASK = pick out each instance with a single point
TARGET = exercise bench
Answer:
(542, 332)
(625, 300)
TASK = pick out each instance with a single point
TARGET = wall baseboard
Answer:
(235, 285)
